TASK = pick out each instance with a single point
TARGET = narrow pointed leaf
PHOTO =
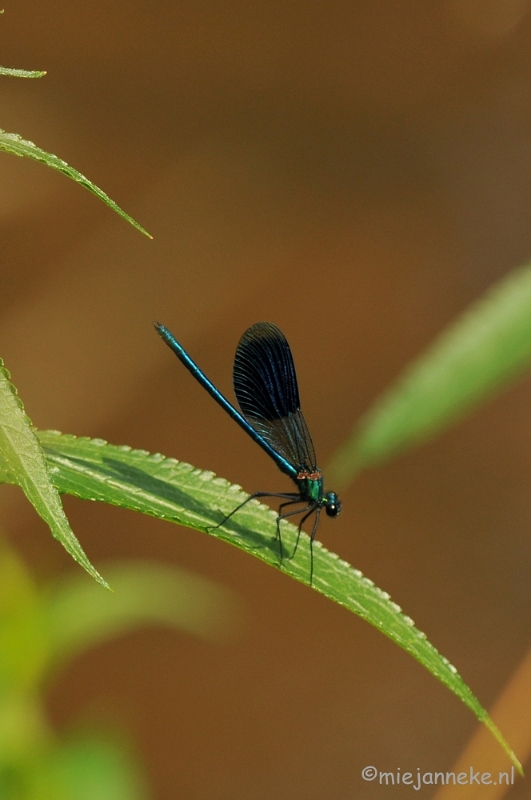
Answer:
(475, 357)
(15, 144)
(177, 492)
(22, 455)
(21, 73)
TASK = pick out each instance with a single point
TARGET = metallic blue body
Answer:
(200, 376)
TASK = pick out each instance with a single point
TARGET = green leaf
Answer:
(21, 73)
(24, 646)
(475, 357)
(15, 144)
(171, 490)
(89, 766)
(76, 614)
(23, 457)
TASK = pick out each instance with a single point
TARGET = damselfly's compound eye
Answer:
(333, 504)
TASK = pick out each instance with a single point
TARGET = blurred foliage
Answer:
(41, 628)
(483, 350)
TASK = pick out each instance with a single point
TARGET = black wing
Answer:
(265, 384)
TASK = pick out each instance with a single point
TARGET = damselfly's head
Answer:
(332, 504)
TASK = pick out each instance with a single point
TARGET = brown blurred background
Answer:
(356, 173)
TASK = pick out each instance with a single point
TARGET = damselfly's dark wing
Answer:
(265, 384)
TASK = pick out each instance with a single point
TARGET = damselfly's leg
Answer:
(312, 537)
(251, 497)
(281, 516)
(310, 509)
(314, 508)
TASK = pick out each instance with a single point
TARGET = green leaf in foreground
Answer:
(22, 455)
(174, 491)
(21, 73)
(15, 144)
(471, 360)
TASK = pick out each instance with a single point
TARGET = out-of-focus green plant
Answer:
(42, 628)
(475, 357)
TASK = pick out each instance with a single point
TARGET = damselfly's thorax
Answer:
(310, 486)
(311, 489)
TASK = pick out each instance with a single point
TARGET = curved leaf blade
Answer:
(15, 144)
(171, 490)
(22, 454)
(475, 357)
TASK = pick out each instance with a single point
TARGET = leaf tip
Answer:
(102, 581)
